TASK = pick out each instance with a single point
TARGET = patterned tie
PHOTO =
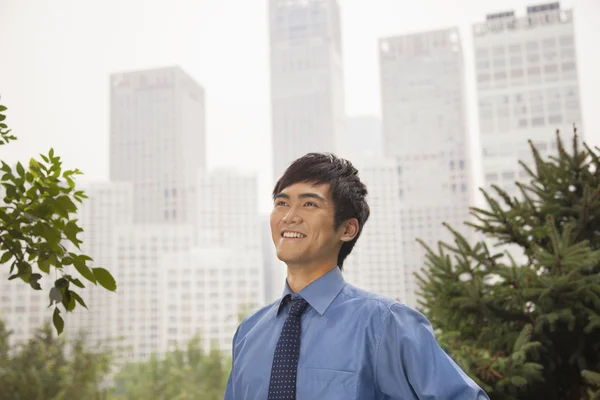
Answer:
(285, 361)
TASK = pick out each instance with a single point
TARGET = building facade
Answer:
(425, 131)
(307, 95)
(157, 140)
(527, 88)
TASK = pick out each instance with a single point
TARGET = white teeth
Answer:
(293, 235)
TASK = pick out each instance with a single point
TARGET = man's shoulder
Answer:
(384, 306)
(354, 293)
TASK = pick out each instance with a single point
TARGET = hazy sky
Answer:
(56, 56)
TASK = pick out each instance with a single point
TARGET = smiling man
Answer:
(326, 339)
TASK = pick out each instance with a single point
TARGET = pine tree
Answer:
(526, 326)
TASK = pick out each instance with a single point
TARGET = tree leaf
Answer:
(20, 169)
(64, 205)
(44, 265)
(33, 281)
(67, 261)
(68, 301)
(84, 270)
(76, 282)
(5, 257)
(105, 279)
(71, 230)
(59, 324)
(55, 295)
(61, 283)
(78, 299)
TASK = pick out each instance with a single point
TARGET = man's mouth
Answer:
(292, 235)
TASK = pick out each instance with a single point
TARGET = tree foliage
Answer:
(526, 326)
(189, 374)
(41, 369)
(37, 228)
(51, 368)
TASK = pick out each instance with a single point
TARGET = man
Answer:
(326, 339)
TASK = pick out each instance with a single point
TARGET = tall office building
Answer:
(174, 280)
(275, 269)
(157, 140)
(207, 292)
(527, 86)
(226, 209)
(307, 95)
(182, 243)
(137, 255)
(425, 130)
(376, 262)
(107, 210)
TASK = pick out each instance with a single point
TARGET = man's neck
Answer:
(299, 277)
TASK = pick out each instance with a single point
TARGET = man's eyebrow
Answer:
(312, 196)
(301, 196)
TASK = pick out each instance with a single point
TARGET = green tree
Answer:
(37, 228)
(50, 368)
(181, 375)
(526, 326)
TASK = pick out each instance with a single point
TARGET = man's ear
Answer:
(350, 230)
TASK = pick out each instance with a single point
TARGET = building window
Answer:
(507, 175)
(491, 177)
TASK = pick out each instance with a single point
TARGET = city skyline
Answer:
(158, 147)
(64, 121)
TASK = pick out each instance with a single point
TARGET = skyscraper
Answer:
(376, 262)
(107, 211)
(157, 139)
(174, 280)
(226, 209)
(183, 243)
(527, 86)
(424, 129)
(307, 95)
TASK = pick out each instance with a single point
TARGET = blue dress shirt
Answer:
(354, 345)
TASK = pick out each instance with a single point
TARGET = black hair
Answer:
(346, 189)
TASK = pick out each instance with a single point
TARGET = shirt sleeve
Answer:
(229, 394)
(410, 364)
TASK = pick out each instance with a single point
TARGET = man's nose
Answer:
(292, 216)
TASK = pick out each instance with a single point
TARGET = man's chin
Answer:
(288, 259)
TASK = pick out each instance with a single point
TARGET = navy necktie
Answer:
(285, 361)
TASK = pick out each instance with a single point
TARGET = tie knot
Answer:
(297, 307)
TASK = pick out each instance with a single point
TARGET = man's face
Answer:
(302, 226)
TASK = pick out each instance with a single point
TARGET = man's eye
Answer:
(280, 203)
(310, 204)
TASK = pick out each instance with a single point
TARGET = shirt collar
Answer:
(320, 293)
